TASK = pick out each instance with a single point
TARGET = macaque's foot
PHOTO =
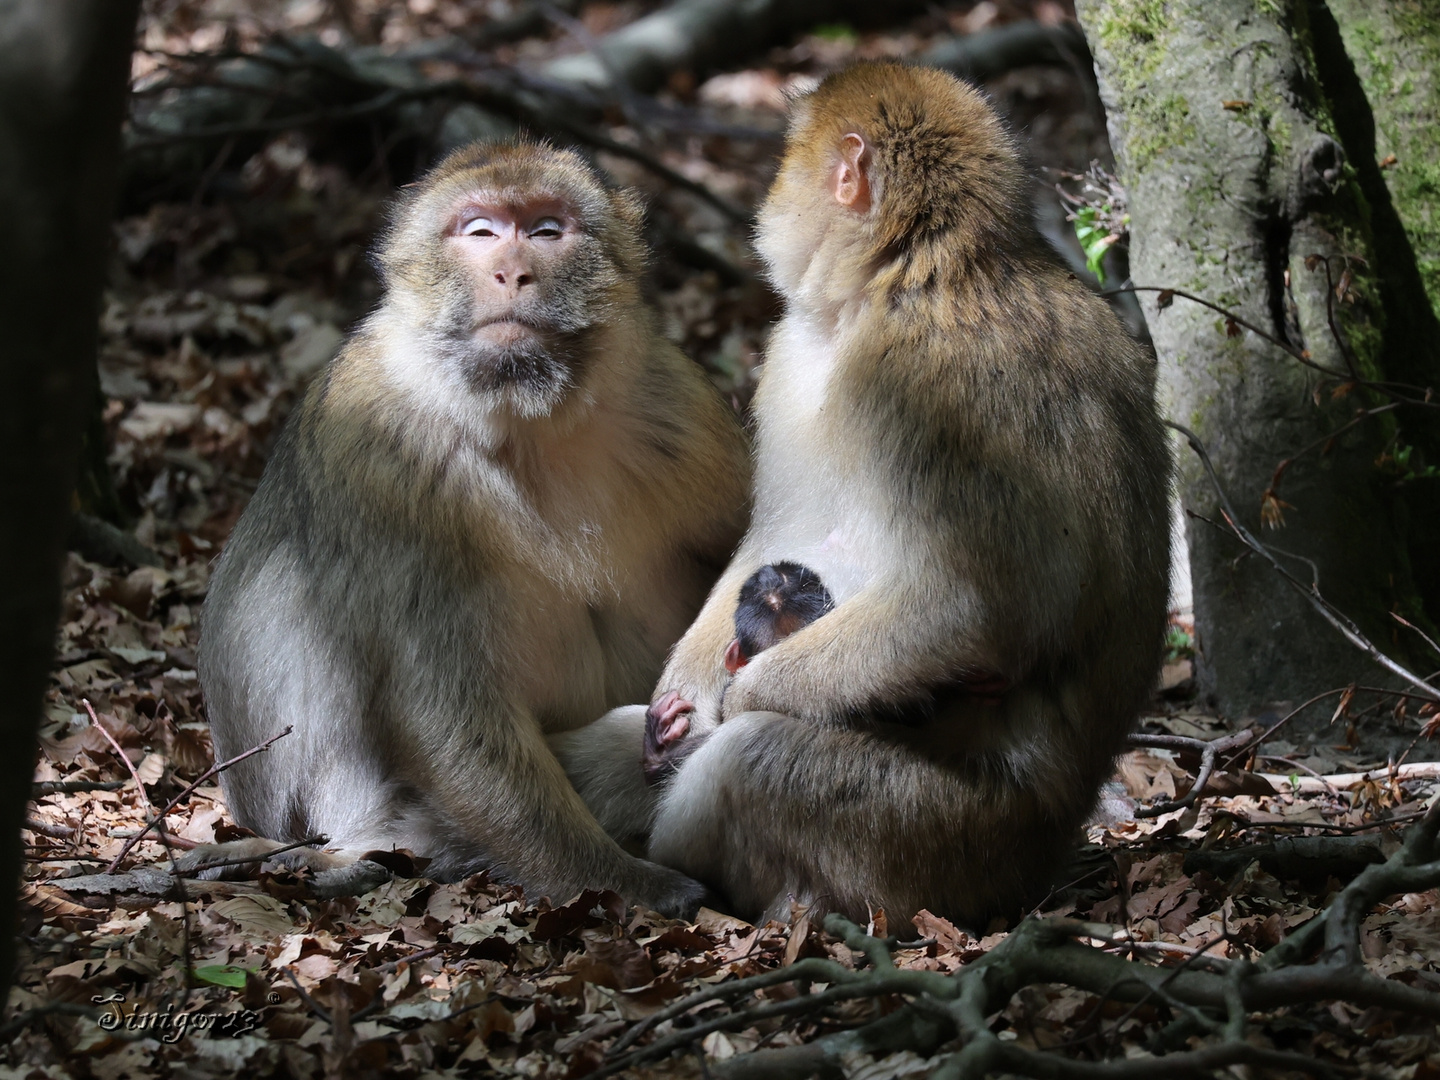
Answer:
(672, 894)
(666, 723)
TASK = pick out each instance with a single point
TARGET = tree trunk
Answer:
(1231, 156)
(1379, 62)
(64, 65)
(1393, 49)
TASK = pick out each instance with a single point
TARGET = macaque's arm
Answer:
(696, 670)
(883, 647)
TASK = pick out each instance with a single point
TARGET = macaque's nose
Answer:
(512, 277)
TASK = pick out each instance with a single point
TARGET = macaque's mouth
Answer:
(506, 332)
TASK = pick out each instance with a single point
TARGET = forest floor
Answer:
(221, 307)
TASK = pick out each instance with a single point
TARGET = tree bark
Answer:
(1379, 63)
(1393, 48)
(64, 66)
(1228, 149)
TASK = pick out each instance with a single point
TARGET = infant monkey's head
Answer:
(775, 601)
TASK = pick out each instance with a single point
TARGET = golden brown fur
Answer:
(485, 525)
(962, 442)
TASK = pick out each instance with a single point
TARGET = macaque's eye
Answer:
(547, 229)
(480, 226)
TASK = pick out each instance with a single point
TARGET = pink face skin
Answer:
(510, 247)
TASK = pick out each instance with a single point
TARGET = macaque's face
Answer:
(518, 293)
(512, 254)
(504, 268)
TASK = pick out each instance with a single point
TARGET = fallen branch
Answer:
(1208, 751)
(307, 842)
(45, 828)
(989, 53)
(1316, 785)
(289, 86)
(692, 35)
(72, 787)
(212, 771)
(1303, 858)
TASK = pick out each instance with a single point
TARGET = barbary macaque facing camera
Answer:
(962, 442)
(774, 602)
(485, 524)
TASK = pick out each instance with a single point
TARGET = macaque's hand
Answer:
(667, 722)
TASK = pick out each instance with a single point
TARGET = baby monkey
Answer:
(775, 601)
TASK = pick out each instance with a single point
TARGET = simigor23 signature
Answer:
(170, 1025)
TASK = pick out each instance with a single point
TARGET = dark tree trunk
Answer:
(64, 66)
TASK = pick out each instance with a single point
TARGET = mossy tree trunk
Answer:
(1379, 63)
(1238, 173)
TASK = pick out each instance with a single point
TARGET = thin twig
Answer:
(310, 1002)
(1273, 728)
(187, 963)
(53, 1008)
(1361, 415)
(1344, 830)
(1426, 637)
(394, 965)
(1346, 353)
(213, 770)
(125, 759)
(1389, 389)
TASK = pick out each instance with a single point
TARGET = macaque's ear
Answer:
(734, 658)
(852, 182)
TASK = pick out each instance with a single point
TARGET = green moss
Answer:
(1134, 21)
(1157, 126)
(1395, 48)
(1133, 32)
(1281, 136)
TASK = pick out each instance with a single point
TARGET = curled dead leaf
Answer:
(1272, 509)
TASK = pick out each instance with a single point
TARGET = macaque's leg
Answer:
(602, 761)
(772, 808)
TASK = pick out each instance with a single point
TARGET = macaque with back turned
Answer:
(961, 440)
